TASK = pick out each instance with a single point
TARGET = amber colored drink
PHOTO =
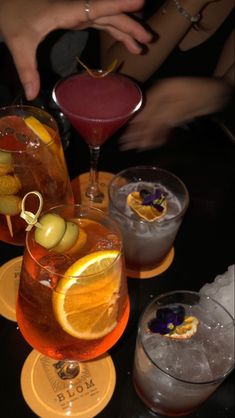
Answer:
(29, 162)
(43, 272)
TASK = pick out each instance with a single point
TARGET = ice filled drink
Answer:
(73, 302)
(31, 158)
(184, 351)
(148, 203)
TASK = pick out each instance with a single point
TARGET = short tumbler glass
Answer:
(146, 244)
(174, 376)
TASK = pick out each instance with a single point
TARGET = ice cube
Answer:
(222, 289)
(55, 265)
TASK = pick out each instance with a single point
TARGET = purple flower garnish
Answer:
(153, 199)
(167, 319)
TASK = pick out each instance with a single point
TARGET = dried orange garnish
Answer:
(147, 212)
(185, 330)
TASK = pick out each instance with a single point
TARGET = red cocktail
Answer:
(97, 106)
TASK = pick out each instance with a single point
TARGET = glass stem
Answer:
(93, 191)
(68, 369)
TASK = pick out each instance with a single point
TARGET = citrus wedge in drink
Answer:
(37, 127)
(147, 212)
(85, 301)
(41, 131)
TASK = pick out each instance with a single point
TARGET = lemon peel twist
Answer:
(99, 73)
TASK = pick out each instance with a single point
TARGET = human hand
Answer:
(25, 23)
(170, 103)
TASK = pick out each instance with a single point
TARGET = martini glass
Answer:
(72, 307)
(97, 104)
(31, 158)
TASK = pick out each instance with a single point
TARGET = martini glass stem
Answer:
(93, 191)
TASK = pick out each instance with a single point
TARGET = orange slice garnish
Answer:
(147, 212)
(185, 330)
(87, 307)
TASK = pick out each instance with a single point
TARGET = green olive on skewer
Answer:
(69, 238)
(54, 233)
(9, 184)
(51, 230)
(5, 163)
(10, 205)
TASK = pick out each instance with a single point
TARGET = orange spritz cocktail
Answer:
(73, 301)
(31, 158)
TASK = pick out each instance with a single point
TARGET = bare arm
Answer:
(226, 64)
(170, 28)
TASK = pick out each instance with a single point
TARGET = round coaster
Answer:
(79, 185)
(147, 274)
(51, 396)
(9, 284)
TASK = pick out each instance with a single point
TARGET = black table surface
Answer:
(204, 158)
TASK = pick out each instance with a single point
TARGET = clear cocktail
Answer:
(31, 158)
(184, 351)
(148, 233)
(97, 106)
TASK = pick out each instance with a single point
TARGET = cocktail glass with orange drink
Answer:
(72, 307)
(31, 157)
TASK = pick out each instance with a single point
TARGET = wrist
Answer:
(192, 18)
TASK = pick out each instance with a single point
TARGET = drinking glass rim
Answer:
(85, 118)
(36, 110)
(83, 276)
(201, 295)
(143, 221)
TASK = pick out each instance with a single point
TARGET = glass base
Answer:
(9, 284)
(51, 396)
(79, 186)
(147, 274)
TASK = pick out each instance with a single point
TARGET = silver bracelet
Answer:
(184, 13)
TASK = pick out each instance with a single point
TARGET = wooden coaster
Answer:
(50, 395)
(9, 284)
(147, 274)
(79, 185)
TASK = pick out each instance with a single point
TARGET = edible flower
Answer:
(155, 199)
(167, 319)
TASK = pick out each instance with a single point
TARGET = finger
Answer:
(99, 8)
(101, 13)
(126, 26)
(26, 65)
(130, 43)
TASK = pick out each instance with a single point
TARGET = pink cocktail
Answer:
(97, 106)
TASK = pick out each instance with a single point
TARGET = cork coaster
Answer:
(49, 394)
(79, 185)
(147, 274)
(9, 284)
